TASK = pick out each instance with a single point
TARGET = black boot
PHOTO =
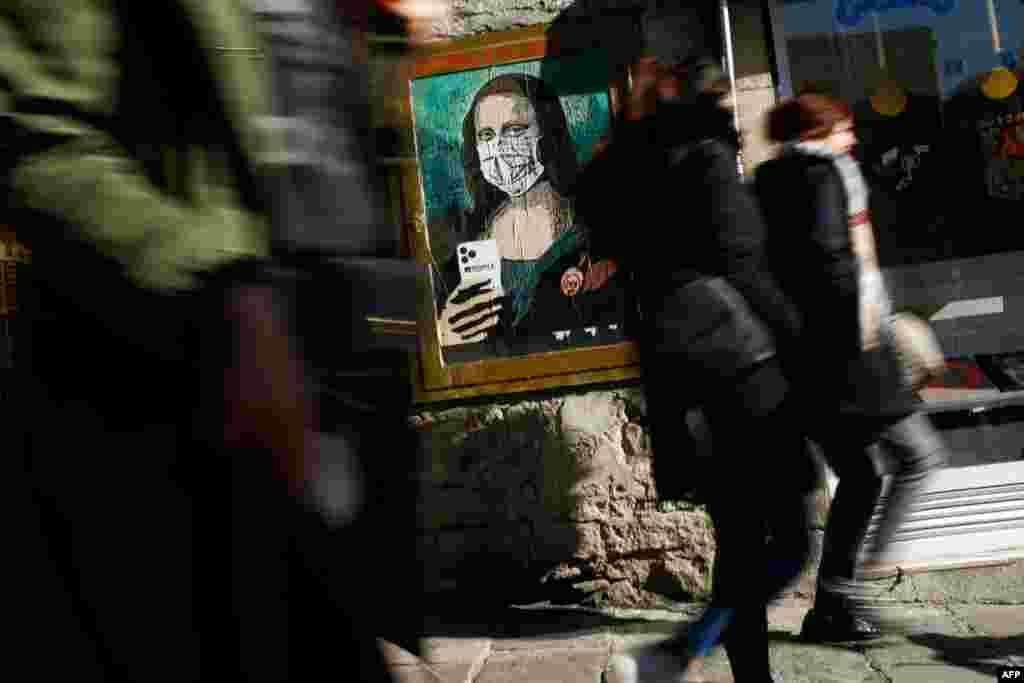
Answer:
(838, 616)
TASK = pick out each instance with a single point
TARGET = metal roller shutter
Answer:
(967, 515)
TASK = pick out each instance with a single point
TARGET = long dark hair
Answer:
(556, 152)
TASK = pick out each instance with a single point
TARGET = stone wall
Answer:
(553, 500)
(469, 17)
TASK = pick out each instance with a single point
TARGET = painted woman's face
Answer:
(507, 141)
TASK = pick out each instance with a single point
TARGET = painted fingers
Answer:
(471, 312)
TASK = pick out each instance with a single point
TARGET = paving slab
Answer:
(940, 648)
(954, 642)
(443, 673)
(581, 641)
(995, 629)
(445, 660)
(802, 663)
(584, 665)
(456, 650)
(934, 672)
(438, 651)
(633, 636)
(996, 584)
(1001, 621)
(976, 653)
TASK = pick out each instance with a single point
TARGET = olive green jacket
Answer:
(133, 127)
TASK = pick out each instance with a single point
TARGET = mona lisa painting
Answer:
(501, 136)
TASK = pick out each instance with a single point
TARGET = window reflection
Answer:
(936, 89)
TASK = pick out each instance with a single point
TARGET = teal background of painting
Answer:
(440, 103)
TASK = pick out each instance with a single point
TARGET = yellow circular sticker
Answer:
(890, 99)
(999, 84)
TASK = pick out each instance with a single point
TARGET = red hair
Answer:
(807, 117)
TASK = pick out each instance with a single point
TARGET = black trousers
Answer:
(910, 450)
(756, 485)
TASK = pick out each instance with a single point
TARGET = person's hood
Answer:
(685, 122)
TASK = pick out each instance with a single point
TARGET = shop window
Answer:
(937, 93)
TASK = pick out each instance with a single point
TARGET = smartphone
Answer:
(480, 262)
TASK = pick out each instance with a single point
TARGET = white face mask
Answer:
(508, 143)
(512, 166)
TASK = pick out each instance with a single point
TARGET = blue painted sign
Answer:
(852, 12)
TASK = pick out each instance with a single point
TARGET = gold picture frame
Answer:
(441, 378)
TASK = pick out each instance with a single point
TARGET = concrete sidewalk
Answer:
(950, 643)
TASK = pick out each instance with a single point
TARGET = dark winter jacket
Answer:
(805, 208)
(665, 200)
(679, 172)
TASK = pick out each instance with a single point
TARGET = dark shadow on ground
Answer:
(468, 621)
(984, 654)
(460, 620)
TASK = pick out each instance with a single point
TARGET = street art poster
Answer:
(498, 149)
(514, 297)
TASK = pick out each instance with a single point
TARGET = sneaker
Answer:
(657, 663)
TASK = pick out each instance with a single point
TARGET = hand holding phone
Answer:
(473, 309)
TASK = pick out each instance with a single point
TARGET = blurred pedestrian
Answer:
(711, 320)
(170, 530)
(853, 398)
(330, 231)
